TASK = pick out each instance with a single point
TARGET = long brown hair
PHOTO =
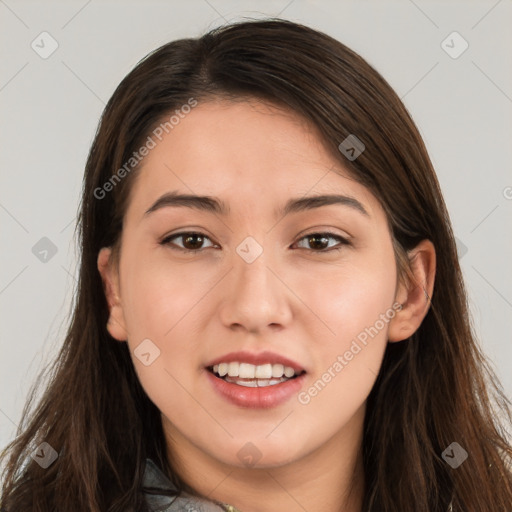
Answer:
(433, 389)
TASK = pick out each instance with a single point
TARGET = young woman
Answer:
(270, 312)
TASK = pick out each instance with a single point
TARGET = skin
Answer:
(293, 299)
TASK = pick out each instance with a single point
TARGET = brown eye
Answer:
(192, 241)
(319, 242)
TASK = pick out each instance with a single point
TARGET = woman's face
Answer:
(258, 283)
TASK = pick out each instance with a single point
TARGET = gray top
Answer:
(154, 478)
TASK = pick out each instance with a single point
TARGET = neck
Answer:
(329, 478)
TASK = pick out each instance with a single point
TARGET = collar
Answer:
(154, 478)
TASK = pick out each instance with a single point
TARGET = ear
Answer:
(415, 296)
(110, 277)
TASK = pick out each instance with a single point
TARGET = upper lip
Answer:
(258, 358)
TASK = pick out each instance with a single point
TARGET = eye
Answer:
(319, 240)
(196, 239)
(190, 238)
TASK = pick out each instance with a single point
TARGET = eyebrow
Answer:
(215, 205)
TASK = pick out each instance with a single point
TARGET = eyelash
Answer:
(343, 241)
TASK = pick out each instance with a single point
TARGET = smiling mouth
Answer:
(253, 382)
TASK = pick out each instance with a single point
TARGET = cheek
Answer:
(350, 299)
(158, 295)
(355, 307)
(161, 300)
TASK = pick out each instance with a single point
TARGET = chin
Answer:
(262, 453)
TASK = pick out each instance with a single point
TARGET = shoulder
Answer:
(161, 494)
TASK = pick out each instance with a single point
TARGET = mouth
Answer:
(254, 376)
(261, 387)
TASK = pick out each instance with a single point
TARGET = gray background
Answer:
(50, 109)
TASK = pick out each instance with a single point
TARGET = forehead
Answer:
(249, 153)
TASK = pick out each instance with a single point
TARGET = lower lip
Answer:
(256, 398)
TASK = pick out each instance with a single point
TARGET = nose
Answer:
(256, 297)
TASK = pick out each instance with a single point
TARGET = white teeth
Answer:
(277, 370)
(256, 383)
(250, 371)
(233, 369)
(263, 371)
(246, 371)
(288, 372)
